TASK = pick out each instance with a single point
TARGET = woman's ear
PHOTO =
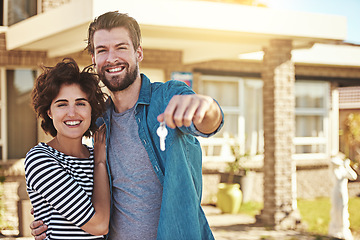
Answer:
(49, 114)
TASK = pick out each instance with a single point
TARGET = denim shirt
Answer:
(179, 167)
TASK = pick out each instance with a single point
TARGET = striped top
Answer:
(60, 189)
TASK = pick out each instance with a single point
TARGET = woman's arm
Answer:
(99, 223)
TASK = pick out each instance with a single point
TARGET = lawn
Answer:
(314, 213)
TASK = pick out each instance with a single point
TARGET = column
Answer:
(279, 126)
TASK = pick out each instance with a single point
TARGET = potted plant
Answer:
(229, 196)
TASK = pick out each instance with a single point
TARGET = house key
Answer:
(162, 133)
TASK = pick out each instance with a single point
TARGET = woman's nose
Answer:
(71, 111)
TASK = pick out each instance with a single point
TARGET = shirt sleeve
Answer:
(197, 133)
(47, 177)
(180, 88)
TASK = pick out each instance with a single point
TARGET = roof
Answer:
(201, 30)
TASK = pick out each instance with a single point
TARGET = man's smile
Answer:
(115, 69)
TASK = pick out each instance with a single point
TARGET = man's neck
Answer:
(127, 98)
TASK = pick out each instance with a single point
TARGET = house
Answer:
(275, 73)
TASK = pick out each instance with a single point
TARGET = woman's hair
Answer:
(112, 20)
(66, 72)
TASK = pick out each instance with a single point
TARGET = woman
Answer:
(67, 181)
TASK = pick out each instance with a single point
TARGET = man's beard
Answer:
(116, 84)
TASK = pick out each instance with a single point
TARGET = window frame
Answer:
(4, 102)
(323, 112)
(5, 11)
(3, 115)
(239, 110)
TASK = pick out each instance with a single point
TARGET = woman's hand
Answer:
(100, 145)
(38, 228)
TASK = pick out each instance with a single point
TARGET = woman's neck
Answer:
(70, 147)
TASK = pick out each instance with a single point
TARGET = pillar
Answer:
(279, 127)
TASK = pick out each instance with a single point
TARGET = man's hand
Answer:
(202, 110)
(38, 228)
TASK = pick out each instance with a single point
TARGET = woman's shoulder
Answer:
(40, 147)
(40, 152)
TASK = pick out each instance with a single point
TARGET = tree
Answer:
(351, 136)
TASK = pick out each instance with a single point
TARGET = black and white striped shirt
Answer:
(60, 189)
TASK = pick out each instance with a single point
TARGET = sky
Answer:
(347, 8)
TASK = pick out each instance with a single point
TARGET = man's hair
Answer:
(112, 20)
(48, 84)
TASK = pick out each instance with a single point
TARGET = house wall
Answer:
(19, 58)
(310, 178)
(312, 182)
(331, 72)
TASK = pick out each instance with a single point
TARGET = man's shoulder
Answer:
(170, 86)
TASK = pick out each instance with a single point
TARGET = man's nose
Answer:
(112, 57)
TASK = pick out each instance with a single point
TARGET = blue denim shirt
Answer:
(179, 167)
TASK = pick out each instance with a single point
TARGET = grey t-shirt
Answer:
(137, 192)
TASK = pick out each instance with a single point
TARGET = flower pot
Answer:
(229, 198)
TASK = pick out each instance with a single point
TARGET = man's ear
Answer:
(140, 54)
(93, 59)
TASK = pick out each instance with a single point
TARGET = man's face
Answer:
(116, 61)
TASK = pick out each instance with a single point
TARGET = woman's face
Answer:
(70, 112)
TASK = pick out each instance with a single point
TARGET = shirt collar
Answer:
(144, 96)
(145, 90)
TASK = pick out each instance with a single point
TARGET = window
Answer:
(21, 119)
(2, 13)
(311, 119)
(241, 101)
(14, 11)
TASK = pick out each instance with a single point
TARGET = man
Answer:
(155, 194)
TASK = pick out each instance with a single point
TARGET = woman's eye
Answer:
(81, 104)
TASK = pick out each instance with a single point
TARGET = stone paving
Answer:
(243, 227)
